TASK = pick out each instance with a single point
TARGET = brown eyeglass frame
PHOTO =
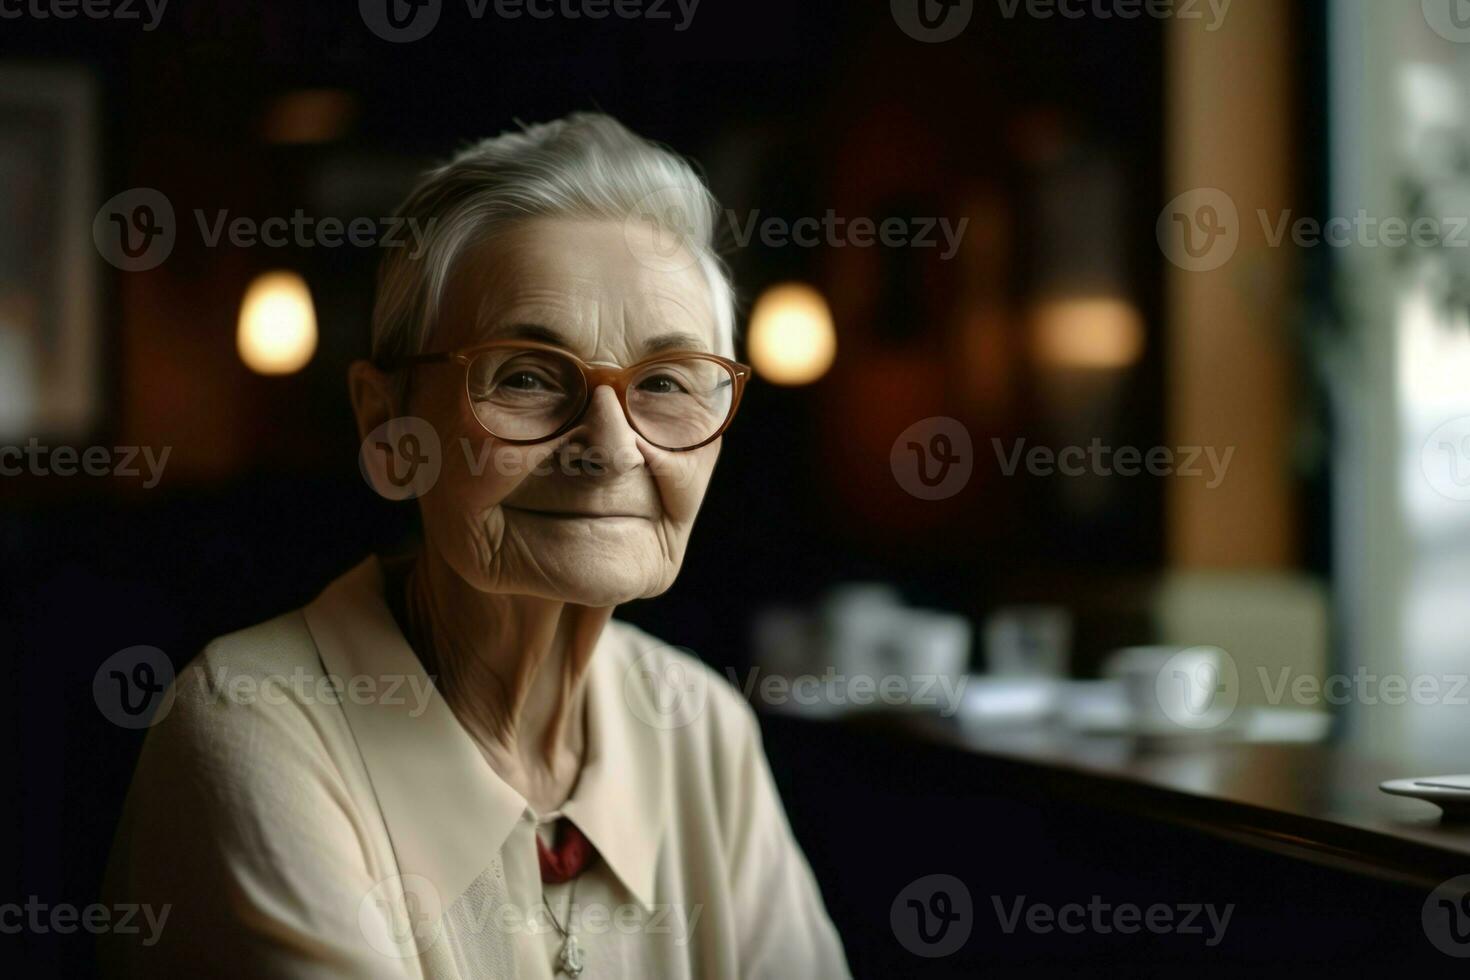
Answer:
(593, 377)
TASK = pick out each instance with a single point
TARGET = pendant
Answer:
(570, 961)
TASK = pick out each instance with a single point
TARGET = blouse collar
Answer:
(446, 810)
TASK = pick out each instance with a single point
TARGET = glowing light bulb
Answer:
(792, 340)
(277, 333)
(1091, 333)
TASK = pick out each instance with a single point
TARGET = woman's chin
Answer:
(598, 592)
(601, 580)
(594, 563)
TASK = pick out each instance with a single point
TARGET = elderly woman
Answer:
(458, 764)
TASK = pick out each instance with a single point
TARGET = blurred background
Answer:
(1102, 239)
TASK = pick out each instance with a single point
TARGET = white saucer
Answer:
(1450, 793)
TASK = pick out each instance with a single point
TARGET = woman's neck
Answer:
(512, 668)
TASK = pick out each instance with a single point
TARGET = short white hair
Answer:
(587, 165)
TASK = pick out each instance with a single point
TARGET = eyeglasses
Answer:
(523, 392)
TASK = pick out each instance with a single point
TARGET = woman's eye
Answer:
(522, 381)
(661, 385)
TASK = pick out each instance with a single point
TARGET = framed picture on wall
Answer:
(49, 338)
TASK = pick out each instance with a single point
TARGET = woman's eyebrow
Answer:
(673, 341)
(530, 331)
(678, 340)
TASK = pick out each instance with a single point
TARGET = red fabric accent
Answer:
(573, 852)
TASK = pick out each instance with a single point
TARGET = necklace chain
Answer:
(570, 961)
(566, 930)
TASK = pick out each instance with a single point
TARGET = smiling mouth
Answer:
(577, 515)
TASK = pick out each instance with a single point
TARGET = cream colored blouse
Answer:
(310, 807)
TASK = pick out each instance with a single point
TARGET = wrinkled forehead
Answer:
(579, 283)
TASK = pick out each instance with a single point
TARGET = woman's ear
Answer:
(371, 390)
(399, 456)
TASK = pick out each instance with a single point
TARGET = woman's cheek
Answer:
(682, 481)
(486, 472)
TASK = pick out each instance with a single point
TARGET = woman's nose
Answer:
(607, 443)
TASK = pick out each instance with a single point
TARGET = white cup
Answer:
(1178, 689)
